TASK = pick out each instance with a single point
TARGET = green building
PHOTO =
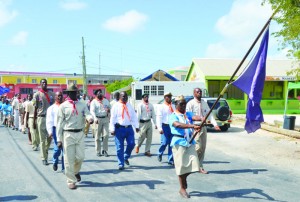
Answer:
(215, 73)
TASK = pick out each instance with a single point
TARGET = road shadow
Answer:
(215, 162)
(99, 161)
(106, 171)
(151, 167)
(18, 198)
(149, 183)
(237, 193)
(254, 171)
(230, 130)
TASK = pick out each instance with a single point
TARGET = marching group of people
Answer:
(48, 116)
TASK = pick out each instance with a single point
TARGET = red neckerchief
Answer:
(46, 94)
(57, 103)
(73, 103)
(100, 101)
(147, 106)
(124, 108)
(170, 106)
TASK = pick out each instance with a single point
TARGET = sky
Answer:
(127, 37)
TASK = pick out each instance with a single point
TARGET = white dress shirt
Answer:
(51, 117)
(146, 114)
(116, 116)
(162, 115)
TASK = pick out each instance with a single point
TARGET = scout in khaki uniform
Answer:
(41, 101)
(29, 119)
(71, 118)
(100, 109)
(200, 108)
(145, 112)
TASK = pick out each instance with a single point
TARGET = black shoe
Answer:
(105, 153)
(78, 177)
(99, 154)
(126, 162)
(45, 162)
(159, 158)
(55, 167)
(121, 167)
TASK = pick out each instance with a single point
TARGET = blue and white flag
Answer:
(251, 81)
(3, 90)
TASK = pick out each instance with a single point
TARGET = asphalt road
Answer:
(257, 167)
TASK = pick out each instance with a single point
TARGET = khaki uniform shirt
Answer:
(68, 119)
(41, 103)
(146, 114)
(98, 109)
(30, 109)
(200, 109)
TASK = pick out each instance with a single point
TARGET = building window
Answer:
(33, 81)
(18, 80)
(72, 82)
(154, 90)
(55, 82)
(146, 90)
(26, 91)
(160, 90)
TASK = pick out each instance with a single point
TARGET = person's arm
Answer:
(153, 115)
(113, 119)
(134, 119)
(93, 111)
(49, 120)
(159, 119)
(59, 126)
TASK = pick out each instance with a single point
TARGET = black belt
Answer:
(101, 117)
(178, 136)
(41, 115)
(165, 124)
(74, 130)
(144, 121)
(120, 126)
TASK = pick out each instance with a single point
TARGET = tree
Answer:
(118, 85)
(288, 18)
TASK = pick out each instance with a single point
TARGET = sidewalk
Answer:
(274, 123)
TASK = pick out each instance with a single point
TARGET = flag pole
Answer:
(237, 69)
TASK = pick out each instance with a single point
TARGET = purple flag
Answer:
(251, 81)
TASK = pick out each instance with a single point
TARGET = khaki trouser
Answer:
(101, 131)
(73, 154)
(87, 127)
(145, 132)
(34, 134)
(201, 145)
(16, 119)
(45, 140)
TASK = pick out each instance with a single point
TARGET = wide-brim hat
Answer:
(96, 91)
(167, 94)
(145, 94)
(71, 88)
(179, 98)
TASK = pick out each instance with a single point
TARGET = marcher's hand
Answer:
(26, 125)
(34, 125)
(91, 121)
(137, 130)
(155, 126)
(161, 132)
(59, 144)
(113, 133)
(217, 127)
(50, 135)
(96, 122)
(196, 127)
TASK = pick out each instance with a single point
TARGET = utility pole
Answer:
(99, 67)
(83, 69)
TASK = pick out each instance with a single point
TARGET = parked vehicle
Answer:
(221, 112)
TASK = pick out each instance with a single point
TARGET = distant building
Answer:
(215, 73)
(179, 72)
(28, 82)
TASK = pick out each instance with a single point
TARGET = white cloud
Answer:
(126, 23)
(20, 38)
(239, 28)
(6, 15)
(73, 5)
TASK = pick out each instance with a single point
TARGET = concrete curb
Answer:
(275, 129)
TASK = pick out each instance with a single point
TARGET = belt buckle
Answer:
(126, 126)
